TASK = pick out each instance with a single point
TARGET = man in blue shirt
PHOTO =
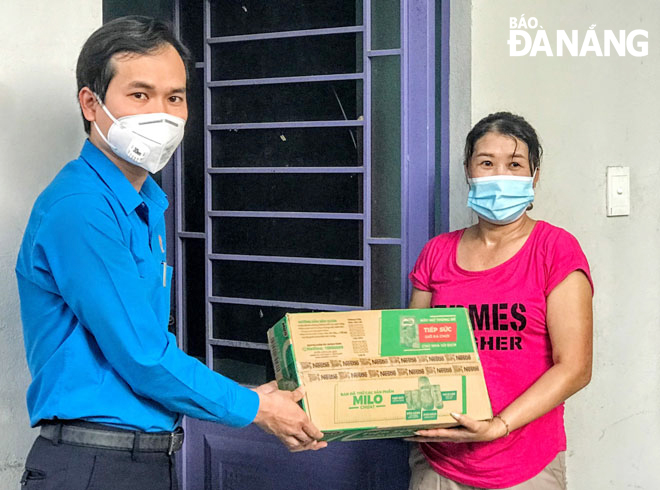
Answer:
(109, 385)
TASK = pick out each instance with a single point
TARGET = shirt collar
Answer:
(153, 191)
(121, 187)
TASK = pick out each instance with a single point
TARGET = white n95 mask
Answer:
(145, 140)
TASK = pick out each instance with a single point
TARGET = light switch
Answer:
(618, 191)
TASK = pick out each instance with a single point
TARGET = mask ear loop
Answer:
(531, 204)
(534, 175)
(98, 130)
(105, 109)
(114, 120)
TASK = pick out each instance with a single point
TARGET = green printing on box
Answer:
(426, 331)
(283, 356)
(398, 399)
(413, 414)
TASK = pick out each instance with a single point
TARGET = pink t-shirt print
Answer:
(507, 307)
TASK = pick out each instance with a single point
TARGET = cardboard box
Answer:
(381, 373)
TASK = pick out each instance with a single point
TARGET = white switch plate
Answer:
(618, 191)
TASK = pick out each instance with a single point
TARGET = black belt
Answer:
(167, 442)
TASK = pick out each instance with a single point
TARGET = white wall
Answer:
(591, 113)
(40, 130)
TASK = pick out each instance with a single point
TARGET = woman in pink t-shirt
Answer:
(527, 287)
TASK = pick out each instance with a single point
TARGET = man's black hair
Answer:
(131, 34)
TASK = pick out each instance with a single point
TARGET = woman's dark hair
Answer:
(131, 34)
(510, 125)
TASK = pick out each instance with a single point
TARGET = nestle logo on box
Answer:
(437, 332)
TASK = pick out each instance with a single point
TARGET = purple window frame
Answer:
(420, 165)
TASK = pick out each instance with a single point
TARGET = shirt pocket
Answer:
(168, 270)
(161, 294)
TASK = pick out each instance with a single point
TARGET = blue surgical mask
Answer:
(500, 199)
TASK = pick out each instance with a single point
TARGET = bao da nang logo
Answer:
(528, 38)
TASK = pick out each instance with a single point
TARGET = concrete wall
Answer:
(40, 130)
(591, 112)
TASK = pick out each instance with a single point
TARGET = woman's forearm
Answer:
(555, 386)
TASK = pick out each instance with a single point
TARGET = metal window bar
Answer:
(179, 293)
(177, 243)
(366, 181)
(287, 260)
(403, 60)
(442, 86)
(191, 234)
(287, 124)
(284, 34)
(286, 170)
(282, 80)
(282, 304)
(242, 344)
(208, 198)
(384, 241)
(384, 52)
(283, 214)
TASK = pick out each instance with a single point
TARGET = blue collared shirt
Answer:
(95, 291)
